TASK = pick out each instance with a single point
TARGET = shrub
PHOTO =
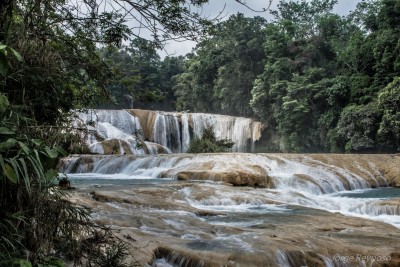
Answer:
(208, 143)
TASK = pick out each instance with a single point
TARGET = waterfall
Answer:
(164, 257)
(172, 130)
(167, 131)
(114, 132)
(299, 172)
(185, 132)
(120, 119)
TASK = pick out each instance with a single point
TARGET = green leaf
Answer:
(61, 151)
(10, 173)
(25, 148)
(52, 153)
(21, 263)
(2, 164)
(56, 262)
(37, 142)
(37, 164)
(2, 47)
(24, 171)
(16, 54)
(51, 174)
(4, 104)
(4, 146)
(3, 64)
(5, 130)
(15, 167)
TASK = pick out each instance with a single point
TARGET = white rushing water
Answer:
(305, 183)
(167, 131)
(117, 130)
(172, 131)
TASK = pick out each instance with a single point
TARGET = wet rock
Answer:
(236, 178)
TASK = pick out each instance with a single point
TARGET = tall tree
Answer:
(221, 74)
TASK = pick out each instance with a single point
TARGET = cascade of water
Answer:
(167, 132)
(297, 181)
(115, 132)
(301, 258)
(314, 178)
(120, 119)
(286, 173)
(376, 208)
(169, 129)
(165, 258)
(159, 130)
(185, 132)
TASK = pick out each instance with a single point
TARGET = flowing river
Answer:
(240, 209)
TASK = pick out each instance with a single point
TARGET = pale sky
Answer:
(229, 7)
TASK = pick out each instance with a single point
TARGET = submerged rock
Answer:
(164, 225)
(236, 178)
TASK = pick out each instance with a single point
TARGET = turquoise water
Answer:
(248, 207)
(114, 182)
(384, 193)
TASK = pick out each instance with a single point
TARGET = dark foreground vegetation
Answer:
(38, 224)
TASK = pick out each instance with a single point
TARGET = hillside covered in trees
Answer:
(321, 82)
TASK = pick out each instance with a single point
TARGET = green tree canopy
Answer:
(219, 77)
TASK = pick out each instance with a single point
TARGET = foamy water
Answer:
(296, 183)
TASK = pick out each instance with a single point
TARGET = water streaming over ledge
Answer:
(300, 180)
(117, 131)
(270, 190)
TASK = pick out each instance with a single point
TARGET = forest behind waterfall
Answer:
(320, 81)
